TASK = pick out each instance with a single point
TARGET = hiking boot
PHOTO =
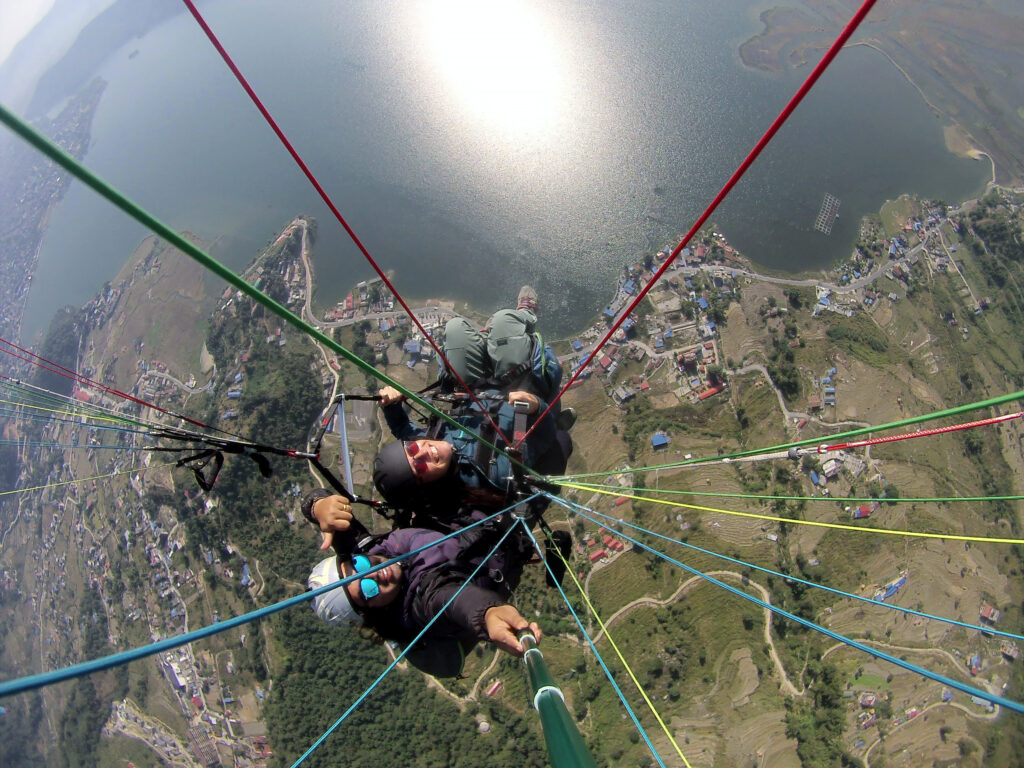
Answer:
(566, 419)
(557, 565)
(528, 299)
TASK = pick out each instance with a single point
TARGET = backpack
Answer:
(519, 357)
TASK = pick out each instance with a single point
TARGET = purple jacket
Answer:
(435, 574)
(430, 578)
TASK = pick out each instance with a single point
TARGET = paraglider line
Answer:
(80, 379)
(828, 447)
(874, 652)
(779, 121)
(622, 659)
(836, 499)
(813, 523)
(612, 521)
(80, 480)
(32, 682)
(593, 647)
(814, 441)
(105, 190)
(330, 203)
(411, 644)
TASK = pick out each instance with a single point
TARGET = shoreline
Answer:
(953, 134)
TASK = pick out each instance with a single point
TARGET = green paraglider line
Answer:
(976, 406)
(837, 499)
(32, 682)
(101, 187)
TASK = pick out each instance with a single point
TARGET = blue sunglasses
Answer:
(368, 587)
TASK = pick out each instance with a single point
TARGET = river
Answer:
(474, 147)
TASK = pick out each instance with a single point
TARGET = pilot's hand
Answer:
(519, 396)
(503, 624)
(334, 514)
(389, 395)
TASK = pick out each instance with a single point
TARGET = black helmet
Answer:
(393, 476)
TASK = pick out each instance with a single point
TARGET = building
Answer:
(709, 392)
(989, 614)
(975, 664)
(597, 555)
(659, 440)
(830, 468)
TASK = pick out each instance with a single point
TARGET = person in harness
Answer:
(397, 602)
(436, 469)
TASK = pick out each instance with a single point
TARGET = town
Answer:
(673, 348)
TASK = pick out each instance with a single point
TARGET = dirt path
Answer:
(785, 685)
(933, 705)
(934, 651)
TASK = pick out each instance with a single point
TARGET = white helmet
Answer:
(334, 606)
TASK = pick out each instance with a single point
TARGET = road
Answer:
(208, 387)
(933, 705)
(126, 719)
(785, 685)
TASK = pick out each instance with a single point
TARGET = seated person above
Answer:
(452, 469)
(397, 602)
(507, 354)
(506, 363)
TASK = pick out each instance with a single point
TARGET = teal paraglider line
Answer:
(597, 654)
(790, 577)
(948, 681)
(405, 651)
(32, 682)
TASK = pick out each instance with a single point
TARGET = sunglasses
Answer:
(368, 587)
(419, 466)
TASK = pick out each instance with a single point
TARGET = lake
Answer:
(475, 147)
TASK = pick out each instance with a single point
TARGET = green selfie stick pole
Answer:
(566, 747)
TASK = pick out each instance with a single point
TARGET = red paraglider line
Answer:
(78, 378)
(794, 102)
(825, 447)
(329, 203)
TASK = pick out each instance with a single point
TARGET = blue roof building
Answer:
(577, 345)
(702, 303)
(659, 440)
(688, 283)
(629, 287)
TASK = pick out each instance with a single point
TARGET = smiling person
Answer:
(439, 478)
(398, 601)
(434, 475)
